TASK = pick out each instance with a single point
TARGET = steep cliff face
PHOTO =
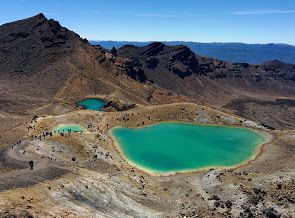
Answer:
(279, 70)
(181, 61)
(178, 69)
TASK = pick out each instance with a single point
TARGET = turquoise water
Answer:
(171, 147)
(65, 128)
(92, 104)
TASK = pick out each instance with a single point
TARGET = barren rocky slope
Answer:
(41, 59)
(178, 69)
(216, 83)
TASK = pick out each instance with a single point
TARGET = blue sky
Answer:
(249, 21)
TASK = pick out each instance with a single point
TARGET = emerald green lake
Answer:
(92, 104)
(173, 146)
(66, 128)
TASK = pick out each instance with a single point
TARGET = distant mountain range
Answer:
(232, 52)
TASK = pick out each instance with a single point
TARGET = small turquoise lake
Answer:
(173, 147)
(66, 128)
(92, 104)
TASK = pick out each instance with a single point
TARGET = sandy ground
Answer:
(84, 174)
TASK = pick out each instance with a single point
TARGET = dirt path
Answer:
(22, 175)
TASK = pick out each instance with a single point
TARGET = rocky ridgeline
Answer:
(181, 61)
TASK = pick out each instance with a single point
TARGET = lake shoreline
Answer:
(96, 104)
(67, 126)
(267, 139)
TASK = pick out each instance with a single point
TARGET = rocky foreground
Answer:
(78, 173)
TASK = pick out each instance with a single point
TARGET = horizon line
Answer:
(213, 42)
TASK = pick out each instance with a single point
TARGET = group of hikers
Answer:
(16, 144)
(50, 134)
(61, 133)
(43, 135)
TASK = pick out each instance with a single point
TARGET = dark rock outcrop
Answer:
(113, 51)
(178, 69)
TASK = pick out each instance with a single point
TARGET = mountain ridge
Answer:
(232, 52)
(43, 62)
(170, 66)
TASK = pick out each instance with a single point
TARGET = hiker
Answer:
(31, 164)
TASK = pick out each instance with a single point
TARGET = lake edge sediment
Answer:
(267, 138)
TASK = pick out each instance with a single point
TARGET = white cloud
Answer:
(264, 12)
(95, 12)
